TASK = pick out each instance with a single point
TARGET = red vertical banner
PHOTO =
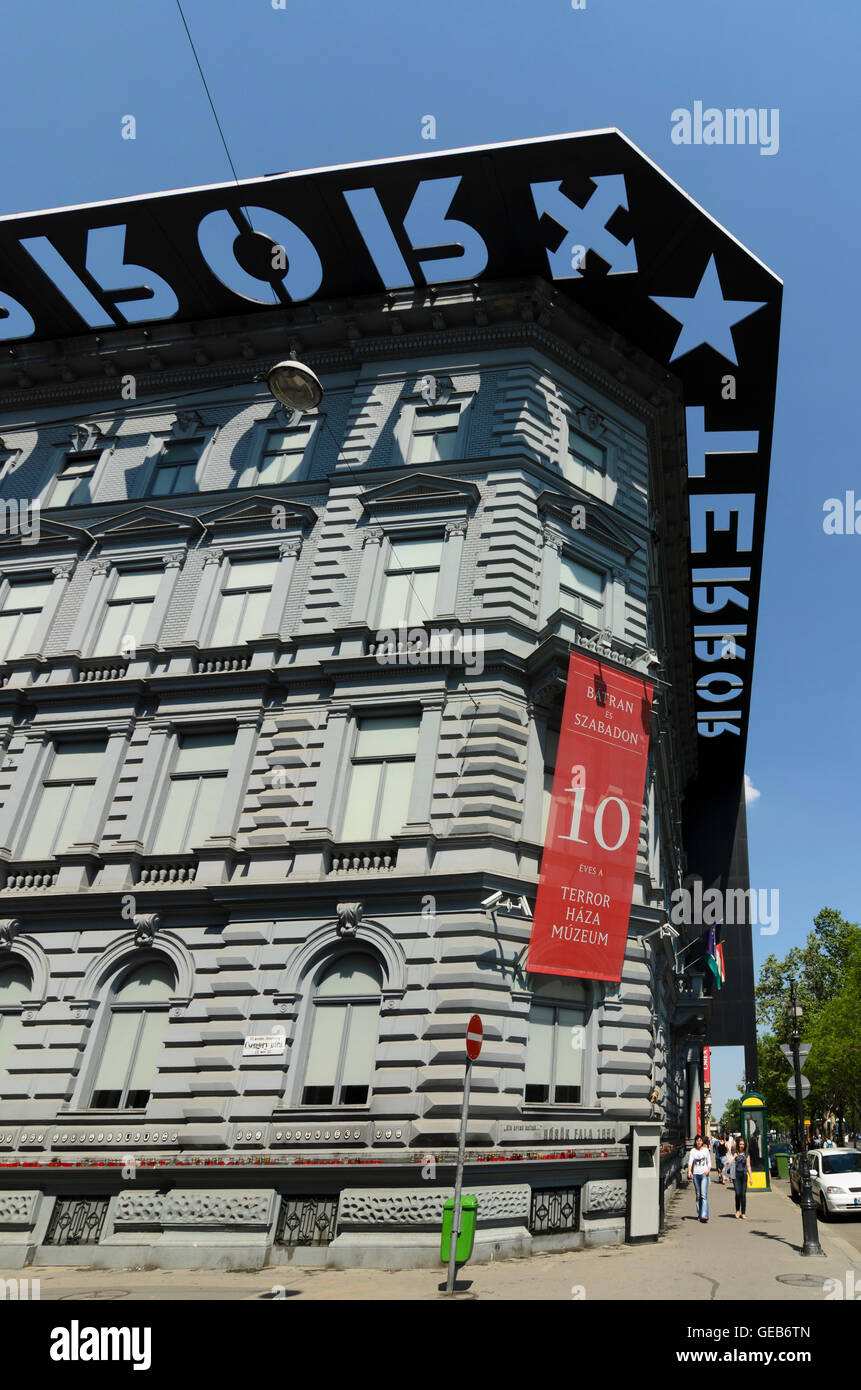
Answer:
(580, 924)
(699, 1119)
(707, 1066)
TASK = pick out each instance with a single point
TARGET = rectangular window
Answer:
(282, 458)
(585, 463)
(66, 793)
(20, 611)
(581, 591)
(72, 485)
(343, 1046)
(243, 602)
(434, 435)
(381, 778)
(194, 793)
(554, 1055)
(410, 584)
(128, 609)
(176, 469)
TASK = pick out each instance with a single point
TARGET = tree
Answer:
(825, 969)
(818, 967)
(774, 1072)
(730, 1120)
(834, 1064)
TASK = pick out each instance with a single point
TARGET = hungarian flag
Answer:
(719, 953)
(714, 956)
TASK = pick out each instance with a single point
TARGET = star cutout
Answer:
(707, 316)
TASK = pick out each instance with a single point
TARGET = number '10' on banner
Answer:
(580, 924)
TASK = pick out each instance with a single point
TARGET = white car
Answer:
(835, 1176)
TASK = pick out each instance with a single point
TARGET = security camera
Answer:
(667, 930)
(492, 900)
(524, 907)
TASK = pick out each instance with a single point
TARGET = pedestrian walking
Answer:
(740, 1176)
(699, 1167)
(721, 1158)
(729, 1140)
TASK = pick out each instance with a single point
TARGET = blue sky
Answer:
(317, 84)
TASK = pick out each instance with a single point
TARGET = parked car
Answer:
(773, 1151)
(835, 1176)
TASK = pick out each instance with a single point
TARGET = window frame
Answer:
(586, 1009)
(567, 553)
(315, 977)
(118, 572)
(405, 431)
(166, 442)
(365, 760)
(309, 422)
(44, 780)
(100, 1033)
(394, 537)
(168, 777)
(423, 412)
(13, 579)
(602, 470)
(71, 456)
(229, 559)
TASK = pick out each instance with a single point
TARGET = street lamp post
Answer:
(809, 1224)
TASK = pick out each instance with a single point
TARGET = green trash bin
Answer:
(782, 1165)
(466, 1237)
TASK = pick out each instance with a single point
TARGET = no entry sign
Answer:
(474, 1036)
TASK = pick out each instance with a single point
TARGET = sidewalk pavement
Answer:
(723, 1260)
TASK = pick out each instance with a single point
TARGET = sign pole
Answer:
(458, 1179)
(809, 1225)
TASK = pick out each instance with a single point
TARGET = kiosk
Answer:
(754, 1130)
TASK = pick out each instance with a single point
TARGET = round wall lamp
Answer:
(294, 385)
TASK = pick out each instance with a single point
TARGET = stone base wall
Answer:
(370, 1227)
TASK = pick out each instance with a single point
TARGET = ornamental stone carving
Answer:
(83, 438)
(434, 390)
(604, 1196)
(213, 556)
(245, 1207)
(145, 927)
(18, 1208)
(61, 571)
(349, 918)
(172, 561)
(456, 528)
(187, 421)
(288, 548)
(139, 1209)
(373, 536)
(9, 926)
(393, 1207)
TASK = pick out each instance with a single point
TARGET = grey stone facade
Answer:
(245, 919)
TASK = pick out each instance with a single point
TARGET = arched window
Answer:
(346, 1011)
(130, 1046)
(556, 1046)
(15, 986)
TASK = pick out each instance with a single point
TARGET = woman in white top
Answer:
(699, 1167)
